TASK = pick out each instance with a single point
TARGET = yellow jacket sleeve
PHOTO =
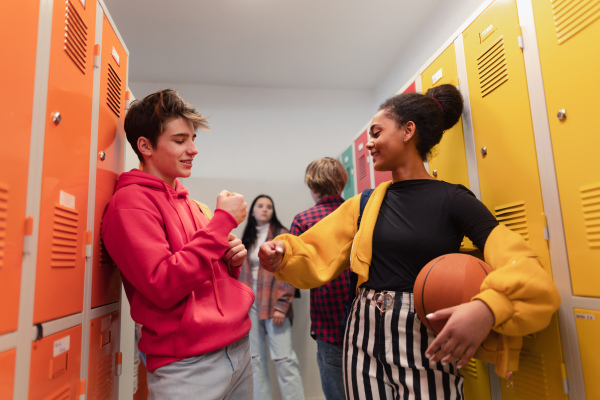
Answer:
(321, 253)
(519, 292)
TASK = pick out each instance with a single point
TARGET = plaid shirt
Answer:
(271, 294)
(328, 302)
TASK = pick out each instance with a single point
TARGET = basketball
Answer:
(447, 281)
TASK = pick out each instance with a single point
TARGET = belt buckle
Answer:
(383, 301)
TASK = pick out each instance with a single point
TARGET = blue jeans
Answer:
(330, 361)
(221, 374)
(286, 362)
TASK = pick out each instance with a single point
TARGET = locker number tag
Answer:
(62, 345)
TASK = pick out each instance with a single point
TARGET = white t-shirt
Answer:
(261, 237)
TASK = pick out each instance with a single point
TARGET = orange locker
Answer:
(508, 173)
(17, 73)
(106, 281)
(65, 175)
(104, 349)
(362, 163)
(567, 33)
(56, 366)
(7, 374)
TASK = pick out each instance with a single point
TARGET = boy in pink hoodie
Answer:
(179, 266)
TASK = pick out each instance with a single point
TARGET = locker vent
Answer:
(114, 92)
(514, 217)
(104, 378)
(64, 237)
(104, 257)
(470, 370)
(531, 380)
(362, 167)
(573, 16)
(590, 201)
(491, 66)
(64, 394)
(3, 220)
(76, 32)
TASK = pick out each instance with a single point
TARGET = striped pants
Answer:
(384, 353)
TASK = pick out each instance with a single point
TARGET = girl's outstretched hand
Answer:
(271, 254)
(468, 325)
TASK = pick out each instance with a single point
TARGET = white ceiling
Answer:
(328, 44)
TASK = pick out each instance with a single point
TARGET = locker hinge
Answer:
(97, 56)
(545, 227)
(520, 39)
(563, 371)
(82, 389)
(27, 233)
(119, 364)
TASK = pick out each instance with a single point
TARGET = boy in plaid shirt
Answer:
(326, 178)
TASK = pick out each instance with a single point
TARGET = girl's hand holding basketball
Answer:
(468, 325)
(271, 254)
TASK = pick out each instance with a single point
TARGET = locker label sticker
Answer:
(360, 146)
(62, 345)
(82, 3)
(437, 76)
(486, 32)
(589, 317)
(116, 56)
(105, 323)
(67, 200)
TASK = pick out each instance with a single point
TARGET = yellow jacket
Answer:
(519, 292)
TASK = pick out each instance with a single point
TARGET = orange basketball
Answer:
(447, 281)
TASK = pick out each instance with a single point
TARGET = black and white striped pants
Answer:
(384, 353)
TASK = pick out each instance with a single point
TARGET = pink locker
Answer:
(361, 161)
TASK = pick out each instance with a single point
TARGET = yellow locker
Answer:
(477, 380)
(588, 332)
(449, 161)
(568, 33)
(17, 73)
(508, 171)
(66, 163)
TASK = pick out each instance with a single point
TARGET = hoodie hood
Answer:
(138, 177)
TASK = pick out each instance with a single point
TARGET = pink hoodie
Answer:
(169, 256)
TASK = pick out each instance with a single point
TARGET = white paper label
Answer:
(62, 345)
(82, 2)
(116, 56)
(360, 146)
(486, 31)
(437, 76)
(589, 317)
(346, 159)
(67, 200)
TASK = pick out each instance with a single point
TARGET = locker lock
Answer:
(561, 114)
(484, 151)
(56, 118)
(435, 173)
(102, 156)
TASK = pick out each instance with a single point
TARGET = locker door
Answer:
(508, 172)
(104, 346)
(65, 175)
(17, 73)
(56, 365)
(106, 281)
(568, 33)
(588, 332)
(348, 162)
(449, 160)
(7, 374)
(362, 163)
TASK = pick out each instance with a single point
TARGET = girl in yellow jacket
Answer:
(388, 352)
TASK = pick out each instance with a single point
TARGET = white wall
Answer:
(443, 23)
(261, 141)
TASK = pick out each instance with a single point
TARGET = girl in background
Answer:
(271, 314)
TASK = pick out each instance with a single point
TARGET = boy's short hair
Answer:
(147, 117)
(326, 176)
